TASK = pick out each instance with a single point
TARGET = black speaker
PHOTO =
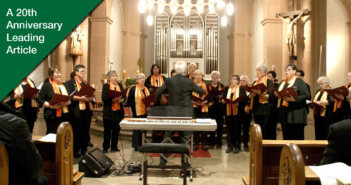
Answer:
(94, 163)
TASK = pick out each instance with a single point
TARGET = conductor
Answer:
(179, 89)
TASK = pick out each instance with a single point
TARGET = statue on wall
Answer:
(290, 35)
(77, 37)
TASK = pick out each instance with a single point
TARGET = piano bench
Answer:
(182, 149)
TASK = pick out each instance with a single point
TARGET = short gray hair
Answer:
(237, 77)
(215, 73)
(110, 73)
(199, 72)
(323, 79)
(192, 64)
(264, 67)
(138, 76)
(247, 78)
(180, 67)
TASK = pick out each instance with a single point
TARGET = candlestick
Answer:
(124, 74)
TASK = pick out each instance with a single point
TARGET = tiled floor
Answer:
(223, 168)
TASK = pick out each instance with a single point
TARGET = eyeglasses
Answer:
(288, 69)
(259, 70)
(81, 71)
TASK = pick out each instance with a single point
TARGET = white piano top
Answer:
(175, 125)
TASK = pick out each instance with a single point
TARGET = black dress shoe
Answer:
(230, 149)
(90, 144)
(105, 151)
(115, 149)
(204, 147)
(77, 155)
(196, 147)
(236, 150)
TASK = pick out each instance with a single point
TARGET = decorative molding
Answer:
(67, 140)
(235, 35)
(286, 169)
(123, 32)
(348, 23)
(251, 34)
(265, 21)
(142, 35)
(101, 19)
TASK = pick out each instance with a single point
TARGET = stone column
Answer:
(60, 56)
(311, 33)
(272, 45)
(99, 46)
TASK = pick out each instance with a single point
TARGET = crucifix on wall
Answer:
(290, 18)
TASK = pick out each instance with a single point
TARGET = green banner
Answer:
(30, 30)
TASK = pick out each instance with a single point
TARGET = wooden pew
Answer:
(291, 166)
(4, 165)
(265, 156)
(58, 157)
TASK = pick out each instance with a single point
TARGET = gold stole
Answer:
(81, 103)
(324, 97)
(204, 108)
(19, 90)
(57, 91)
(230, 107)
(139, 105)
(261, 100)
(115, 105)
(338, 103)
(292, 81)
(159, 83)
(247, 106)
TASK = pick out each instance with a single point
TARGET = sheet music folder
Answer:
(29, 92)
(86, 90)
(113, 94)
(58, 98)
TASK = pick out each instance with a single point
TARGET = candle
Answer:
(138, 72)
(124, 74)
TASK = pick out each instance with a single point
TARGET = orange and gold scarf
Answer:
(159, 82)
(115, 105)
(19, 90)
(233, 112)
(261, 99)
(140, 107)
(57, 91)
(323, 98)
(292, 81)
(247, 106)
(204, 108)
(338, 103)
(81, 103)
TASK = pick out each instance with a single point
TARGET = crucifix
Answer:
(290, 18)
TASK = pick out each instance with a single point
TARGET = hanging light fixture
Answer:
(200, 9)
(149, 20)
(151, 5)
(142, 5)
(187, 11)
(224, 21)
(161, 8)
(220, 4)
(230, 8)
(211, 7)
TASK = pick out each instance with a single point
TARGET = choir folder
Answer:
(86, 90)
(197, 99)
(287, 92)
(113, 94)
(151, 98)
(339, 90)
(214, 93)
(58, 98)
(232, 102)
(257, 87)
(314, 106)
(29, 92)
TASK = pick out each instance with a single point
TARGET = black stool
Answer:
(182, 149)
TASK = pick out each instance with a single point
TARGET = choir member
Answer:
(192, 69)
(200, 109)
(216, 108)
(28, 107)
(342, 104)
(271, 128)
(235, 114)
(58, 113)
(155, 79)
(137, 108)
(81, 111)
(173, 72)
(292, 113)
(113, 112)
(244, 81)
(301, 74)
(323, 117)
(261, 102)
